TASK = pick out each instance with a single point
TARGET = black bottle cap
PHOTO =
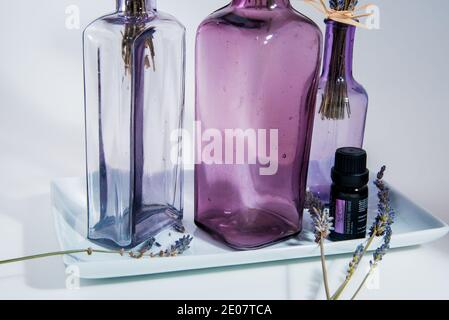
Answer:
(350, 168)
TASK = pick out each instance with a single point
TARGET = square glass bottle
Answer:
(256, 73)
(134, 67)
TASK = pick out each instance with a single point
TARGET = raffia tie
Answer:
(343, 16)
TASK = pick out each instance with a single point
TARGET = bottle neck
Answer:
(270, 4)
(135, 7)
(338, 49)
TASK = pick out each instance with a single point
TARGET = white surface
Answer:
(403, 67)
(413, 226)
(416, 273)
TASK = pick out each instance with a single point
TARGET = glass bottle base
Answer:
(149, 222)
(238, 232)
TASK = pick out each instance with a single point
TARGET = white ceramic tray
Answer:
(413, 226)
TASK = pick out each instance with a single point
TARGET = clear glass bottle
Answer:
(257, 71)
(341, 111)
(134, 61)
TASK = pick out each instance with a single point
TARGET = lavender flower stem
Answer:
(45, 255)
(323, 266)
(362, 285)
(340, 290)
(63, 253)
(178, 248)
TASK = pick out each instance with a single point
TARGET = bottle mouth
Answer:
(330, 22)
(260, 4)
(136, 7)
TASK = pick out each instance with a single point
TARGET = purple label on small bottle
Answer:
(340, 210)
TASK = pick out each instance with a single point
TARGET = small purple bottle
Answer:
(257, 65)
(340, 120)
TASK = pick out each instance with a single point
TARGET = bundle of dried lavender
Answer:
(335, 104)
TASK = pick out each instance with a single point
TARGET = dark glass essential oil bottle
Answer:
(349, 194)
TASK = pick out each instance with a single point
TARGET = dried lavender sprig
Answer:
(352, 4)
(322, 221)
(380, 228)
(322, 227)
(377, 258)
(178, 248)
(385, 213)
(312, 201)
(356, 258)
(88, 251)
(380, 252)
(341, 5)
(142, 249)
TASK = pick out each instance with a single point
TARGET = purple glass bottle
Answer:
(257, 68)
(134, 102)
(342, 106)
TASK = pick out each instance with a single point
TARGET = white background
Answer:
(403, 66)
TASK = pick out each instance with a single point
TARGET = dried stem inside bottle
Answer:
(137, 10)
(135, 7)
(335, 104)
